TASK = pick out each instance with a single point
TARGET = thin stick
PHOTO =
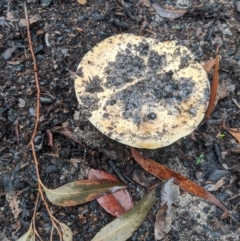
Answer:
(35, 68)
(40, 187)
(31, 143)
(34, 220)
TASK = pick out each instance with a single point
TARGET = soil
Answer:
(63, 32)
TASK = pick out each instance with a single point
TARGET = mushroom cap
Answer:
(142, 92)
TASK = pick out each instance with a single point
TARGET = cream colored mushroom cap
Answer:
(142, 92)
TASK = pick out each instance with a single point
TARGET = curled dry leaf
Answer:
(117, 203)
(82, 191)
(168, 13)
(221, 88)
(209, 65)
(163, 223)
(122, 227)
(28, 236)
(235, 132)
(184, 183)
(169, 195)
(66, 232)
(214, 187)
(214, 89)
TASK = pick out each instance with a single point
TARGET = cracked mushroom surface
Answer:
(142, 92)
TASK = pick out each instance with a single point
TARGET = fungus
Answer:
(142, 92)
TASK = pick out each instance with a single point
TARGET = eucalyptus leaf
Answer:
(123, 227)
(82, 191)
(66, 232)
(28, 236)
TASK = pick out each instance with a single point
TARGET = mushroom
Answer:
(142, 92)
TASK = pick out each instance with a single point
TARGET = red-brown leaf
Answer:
(214, 89)
(117, 203)
(184, 183)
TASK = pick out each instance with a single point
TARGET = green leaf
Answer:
(66, 232)
(29, 236)
(199, 159)
(122, 227)
(82, 191)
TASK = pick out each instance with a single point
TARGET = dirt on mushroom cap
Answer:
(142, 92)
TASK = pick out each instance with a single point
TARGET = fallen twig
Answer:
(31, 143)
(35, 69)
(214, 89)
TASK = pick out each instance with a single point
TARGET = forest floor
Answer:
(62, 33)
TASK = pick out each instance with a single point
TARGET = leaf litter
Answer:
(78, 192)
(184, 183)
(207, 66)
(117, 203)
(170, 13)
(166, 214)
(214, 186)
(28, 236)
(122, 227)
(235, 132)
(47, 33)
(67, 232)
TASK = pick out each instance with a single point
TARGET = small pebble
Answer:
(46, 100)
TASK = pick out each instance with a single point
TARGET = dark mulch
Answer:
(64, 32)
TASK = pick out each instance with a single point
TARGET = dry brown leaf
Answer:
(168, 13)
(235, 132)
(82, 2)
(67, 133)
(169, 195)
(32, 20)
(214, 89)
(163, 223)
(184, 183)
(208, 65)
(214, 187)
